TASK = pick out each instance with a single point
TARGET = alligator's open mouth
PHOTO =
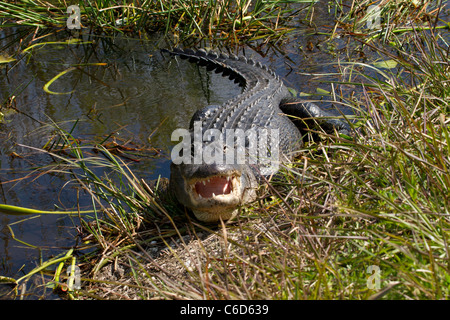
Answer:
(217, 188)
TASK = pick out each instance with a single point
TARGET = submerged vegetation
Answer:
(366, 217)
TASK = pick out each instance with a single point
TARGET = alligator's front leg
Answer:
(310, 115)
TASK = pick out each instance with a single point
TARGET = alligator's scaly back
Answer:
(259, 101)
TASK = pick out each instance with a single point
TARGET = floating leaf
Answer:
(322, 91)
(19, 211)
(46, 89)
(8, 280)
(5, 59)
(70, 41)
(387, 64)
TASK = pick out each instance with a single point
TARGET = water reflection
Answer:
(128, 97)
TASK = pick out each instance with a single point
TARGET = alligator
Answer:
(215, 190)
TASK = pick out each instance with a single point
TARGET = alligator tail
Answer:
(230, 65)
(212, 61)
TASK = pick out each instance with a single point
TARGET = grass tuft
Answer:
(218, 20)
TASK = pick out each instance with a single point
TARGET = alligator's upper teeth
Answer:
(213, 194)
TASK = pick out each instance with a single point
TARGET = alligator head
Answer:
(214, 172)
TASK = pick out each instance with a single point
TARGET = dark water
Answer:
(138, 96)
(135, 92)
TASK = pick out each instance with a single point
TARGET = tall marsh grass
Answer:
(225, 20)
(361, 218)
